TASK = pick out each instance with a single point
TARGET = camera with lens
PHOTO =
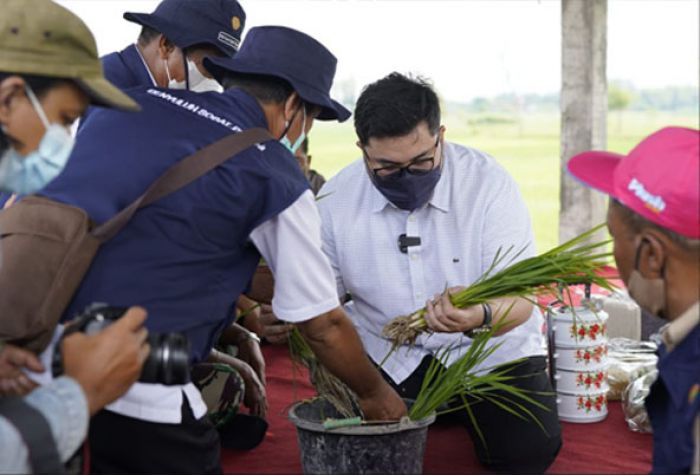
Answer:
(167, 362)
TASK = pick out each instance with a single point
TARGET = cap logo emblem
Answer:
(228, 40)
(236, 23)
(653, 202)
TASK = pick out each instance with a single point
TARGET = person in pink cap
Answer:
(654, 220)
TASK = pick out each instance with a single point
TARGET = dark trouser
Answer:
(514, 445)
(120, 444)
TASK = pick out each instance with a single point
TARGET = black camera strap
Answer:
(36, 432)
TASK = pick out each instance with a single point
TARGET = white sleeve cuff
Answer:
(305, 313)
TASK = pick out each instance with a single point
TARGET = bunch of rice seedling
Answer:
(327, 385)
(442, 384)
(574, 262)
(456, 387)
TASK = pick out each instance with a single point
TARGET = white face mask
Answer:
(198, 81)
(28, 174)
(172, 83)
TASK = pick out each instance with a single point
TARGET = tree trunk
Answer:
(584, 104)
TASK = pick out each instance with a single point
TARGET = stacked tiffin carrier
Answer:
(579, 361)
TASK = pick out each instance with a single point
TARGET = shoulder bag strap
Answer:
(183, 173)
(36, 433)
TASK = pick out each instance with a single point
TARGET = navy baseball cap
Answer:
(291, 55)
(187, 23)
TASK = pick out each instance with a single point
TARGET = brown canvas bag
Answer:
(46, 247)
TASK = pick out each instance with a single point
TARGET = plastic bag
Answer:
(628, 360)
(633, 402)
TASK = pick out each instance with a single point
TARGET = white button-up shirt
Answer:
(475, 210)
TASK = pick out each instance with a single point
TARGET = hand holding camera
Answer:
(163, 358)
(107, 363)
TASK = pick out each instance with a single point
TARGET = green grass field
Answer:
(528, 149)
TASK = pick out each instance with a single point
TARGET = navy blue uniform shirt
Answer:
(187, 257)
(674, 403)
(125, 69)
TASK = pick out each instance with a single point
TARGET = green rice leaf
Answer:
(574, 262)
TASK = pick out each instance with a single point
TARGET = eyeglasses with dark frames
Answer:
(417, 166)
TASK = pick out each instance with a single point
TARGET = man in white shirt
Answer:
(418, 215)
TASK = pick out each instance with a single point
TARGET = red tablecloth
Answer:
(603, 447)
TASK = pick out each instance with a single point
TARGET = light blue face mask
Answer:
(293, 147)
(28, 174)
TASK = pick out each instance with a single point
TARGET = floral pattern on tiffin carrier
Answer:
(589, 403)
(591, 379)
(580, 332)
(587, 356)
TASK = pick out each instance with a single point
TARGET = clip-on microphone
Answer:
(407, 241)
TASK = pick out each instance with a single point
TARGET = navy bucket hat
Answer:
(187, 23)
(291, 55)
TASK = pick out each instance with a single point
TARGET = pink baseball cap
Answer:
(659, 179)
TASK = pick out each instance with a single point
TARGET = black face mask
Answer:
(406, 190)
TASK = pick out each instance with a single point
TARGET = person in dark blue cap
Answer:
(174, 40)
(309, 76)
(188, 256)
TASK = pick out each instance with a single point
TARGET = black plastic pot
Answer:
(364, 449)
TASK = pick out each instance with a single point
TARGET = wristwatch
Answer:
(485, 325)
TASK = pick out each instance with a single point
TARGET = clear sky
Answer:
(469, 48)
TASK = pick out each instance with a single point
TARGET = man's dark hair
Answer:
(39, 84)
(394, 106)
(266, 89)
(147, 35)
(637, 223)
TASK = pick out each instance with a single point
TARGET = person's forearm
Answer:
(235, 334)
(218, 357)
(511, 312)
(65, 406)
(248, 314)
(262, 285)
(245, 304)
(229, 335)
(334, 340)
